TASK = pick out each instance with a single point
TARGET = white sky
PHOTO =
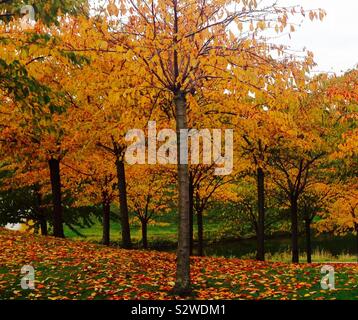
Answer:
(334, 41)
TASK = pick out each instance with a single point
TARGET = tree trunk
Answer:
(356, 227)
(200, 233)
(144, 234)
(182, 285)
(191, 215)
(308, 240)
(357, 244)
(294, 230)
(54, 165)
(261, 215)
(122, 186)
(41, 212)
(106, 223)
(43, 226)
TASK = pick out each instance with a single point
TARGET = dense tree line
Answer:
(72, 86)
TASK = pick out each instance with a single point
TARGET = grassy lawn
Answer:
(162, 235)
(157, 231)
(164, 228)
(67, 269)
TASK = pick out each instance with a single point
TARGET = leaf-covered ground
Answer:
(68, 269)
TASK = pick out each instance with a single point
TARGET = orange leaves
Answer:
(322, 14)
(311, 15)
(318, 14)
(112, 8)
(76, 270)
(342, 216)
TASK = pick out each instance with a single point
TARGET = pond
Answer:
(332, 245)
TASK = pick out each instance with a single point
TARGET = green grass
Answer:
(164, 228)
(157, 231)
(162, 235)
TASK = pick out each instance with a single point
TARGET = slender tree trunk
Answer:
(308, 240)
(191, 215)
(54, 165)
(199, 216)
(294, 230)
(356, 227)
(122, 186)
(357, 244)
(106, 223)
(261, 215)
(144, 233)
(41, 212)
(182, 285)
(43, 226)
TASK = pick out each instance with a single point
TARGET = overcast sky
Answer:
(334, 41)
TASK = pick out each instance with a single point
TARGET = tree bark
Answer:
(144, 234)
(261, 215)
(106, 223)
(357, 244)
(122, 186)
(308, 240)
(294, 230)
(182, 285)
(356, 227)
(200, 233)
(43, 226)
(41, 212)
(191, 215)
(54, 165)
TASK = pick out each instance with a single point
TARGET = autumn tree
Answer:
(111, 97)
(315, 201)
(90, 178)
(241, 214)
(36, 126)
(206, 188)
(300, 151)
(259, 119)
(180, 47)
(341, 102)
(342, 216)
(150, 194)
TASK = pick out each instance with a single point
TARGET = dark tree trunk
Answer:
(294, 230)
(122, 186)
(357, 244)
(200, 233)
(106, 223)
(41, 212)
(54, 165)
(43, 226)
(144, 234)
(261, 215)
(182, 285)
(356, 227)
(191, 215)
(308, 240)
